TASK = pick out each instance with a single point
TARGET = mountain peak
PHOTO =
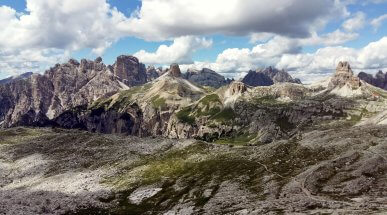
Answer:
(377, 80)
(344, 67)
(174, 70)
(237, 87)
(205, 77)
(130, 70)
(344, 76)
(268, 77)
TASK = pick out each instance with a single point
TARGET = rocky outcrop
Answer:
(379, 80)
(35, 100)
(255, 79)
(206, 77)
(174, 70)
(268, 77)
(130, 71)
(16, 78)
(279, 76)
(152, 73)
(344, 77)
(237, 87)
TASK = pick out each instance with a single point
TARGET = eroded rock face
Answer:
(152, 73)
(16, 78)
(379, 80)
(130, 70)
(237, 87)
(174, 70)
(344, 76)
(35, 100)
(206, 77)
(268, 77)
(255, 79)
(279, 76)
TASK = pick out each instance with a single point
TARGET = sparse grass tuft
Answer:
(158, 102)
(19, 135)
(224, 116)
(240, 140)
(184, 115)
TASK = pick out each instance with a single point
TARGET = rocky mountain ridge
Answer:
(16, 78)
(286, 148)
(206, 77)
(39, 98)
(268, 77)
(379, 80)
(175, 108)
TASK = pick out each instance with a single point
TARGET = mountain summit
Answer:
(379, 80)
(344, 76)
(268, 77)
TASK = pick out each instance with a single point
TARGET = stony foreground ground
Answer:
(55, 171)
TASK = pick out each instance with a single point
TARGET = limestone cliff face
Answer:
(136, 76)
(16, 78)
(344, 76)
(206, 77)
(268, 77)
(174, 71)
(279, 76)
(35, 100)
(172, 107)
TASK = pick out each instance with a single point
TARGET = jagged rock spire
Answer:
(344, 68)
(129, 70)
(237, 87)
(344, 76)
(174, 70)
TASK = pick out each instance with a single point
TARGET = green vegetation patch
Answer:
(194, 168)
(158, 102)
(270, 101)
(210, 99)
(101, 103)
(209, 105)
(19, 135)
(224, 116)
(124, 99)
(184, 115)
(188, 173)
(240, 140)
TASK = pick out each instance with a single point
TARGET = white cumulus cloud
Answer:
(162, 19)
(377, 22)
(355, 23)
(307, 66)
(180, 51)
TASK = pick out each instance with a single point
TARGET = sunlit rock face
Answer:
(268, 77)
(130, 70)
(344, 76)
(174, 70)
(206, 77)
(39, 98)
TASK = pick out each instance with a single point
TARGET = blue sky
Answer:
(230, 38)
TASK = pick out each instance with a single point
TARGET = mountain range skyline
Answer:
(306, 39)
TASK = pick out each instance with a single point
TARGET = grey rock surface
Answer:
(130, 70)
(16, 78)
(326, 171)
(35, 100)
(206, 77)
(344, 75)
(379, 80)
(268, 77)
